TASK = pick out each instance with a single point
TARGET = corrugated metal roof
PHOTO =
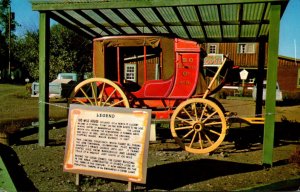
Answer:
(204, 21)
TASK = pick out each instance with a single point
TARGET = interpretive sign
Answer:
(108, 142)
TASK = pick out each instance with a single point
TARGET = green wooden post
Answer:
(271, 85)
(43, 78)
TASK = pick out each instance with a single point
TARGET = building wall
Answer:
(288, 70)
(288, 77)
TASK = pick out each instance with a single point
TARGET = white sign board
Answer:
(244, 74)
(108, 142)
(213, 60)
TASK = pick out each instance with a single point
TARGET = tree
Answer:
(69, 52)
(7, 26)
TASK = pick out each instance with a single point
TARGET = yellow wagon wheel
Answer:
(99, 92)
(198, 125)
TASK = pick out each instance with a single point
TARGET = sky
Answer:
(289, 40)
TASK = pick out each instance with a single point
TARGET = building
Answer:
(245, 56)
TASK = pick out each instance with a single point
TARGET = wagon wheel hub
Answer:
(198, 127)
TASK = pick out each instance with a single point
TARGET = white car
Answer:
(278, 92)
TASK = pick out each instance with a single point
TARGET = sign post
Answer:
(108, 142)
(243, 76)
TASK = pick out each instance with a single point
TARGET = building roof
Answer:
(200, 20)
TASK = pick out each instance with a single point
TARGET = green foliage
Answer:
(69, 52)
(7, 27)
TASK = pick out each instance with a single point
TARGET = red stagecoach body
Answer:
(162, 74)
(178, 63)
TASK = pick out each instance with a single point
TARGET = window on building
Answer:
(213, 48)
(246, 48)
(130, 72)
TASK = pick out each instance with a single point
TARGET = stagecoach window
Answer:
(130, 72)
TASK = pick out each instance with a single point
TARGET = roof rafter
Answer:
(142, 18)
(201, 22)
(108, 20)
(87, 17)
(241, 10)
(162, 20)
(72, 19)
(119, 14)
(262, 18)
(70, 26)
(182, 22)
(220, 20)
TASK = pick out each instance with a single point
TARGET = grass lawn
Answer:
(19, 109)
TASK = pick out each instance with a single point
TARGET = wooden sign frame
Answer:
(109, 142)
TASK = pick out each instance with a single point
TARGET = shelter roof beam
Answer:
(201, 22)
(162, 20)
(81, 25)
(70, 26)
(220, 19)
(142, 18)
(108, 20)
(87, 17)
(79, 4)
(119, 14)
(182, 22)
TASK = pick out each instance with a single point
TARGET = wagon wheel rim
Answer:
(198, 125)
(99, 92)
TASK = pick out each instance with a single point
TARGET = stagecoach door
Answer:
(187, 71)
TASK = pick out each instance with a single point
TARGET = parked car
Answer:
(278, 92)
(60, 87)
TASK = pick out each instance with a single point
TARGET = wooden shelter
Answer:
(203, 21)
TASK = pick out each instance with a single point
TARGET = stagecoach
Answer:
(165, 75)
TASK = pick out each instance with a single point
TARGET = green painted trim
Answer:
(43, 78)
(271, 85)
(6, 183)
(38, 5)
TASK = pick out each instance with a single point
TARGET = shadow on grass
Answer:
(15, 169)
(175, 175)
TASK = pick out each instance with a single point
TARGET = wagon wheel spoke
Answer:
(183, 120)
(79, 101)
(188, 114)
(203, 130)
(94, 93)
(186, 135)
(99, 92)
(86, 96)
(193, 139)
(213, 123)
(108, 98)
(200, 140)
(183, 128)
(195, 111)
(209, 117)
(116, 103)
(203, 111)
(212, 131)
(208, 139)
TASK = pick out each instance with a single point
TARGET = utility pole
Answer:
(9, 38)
